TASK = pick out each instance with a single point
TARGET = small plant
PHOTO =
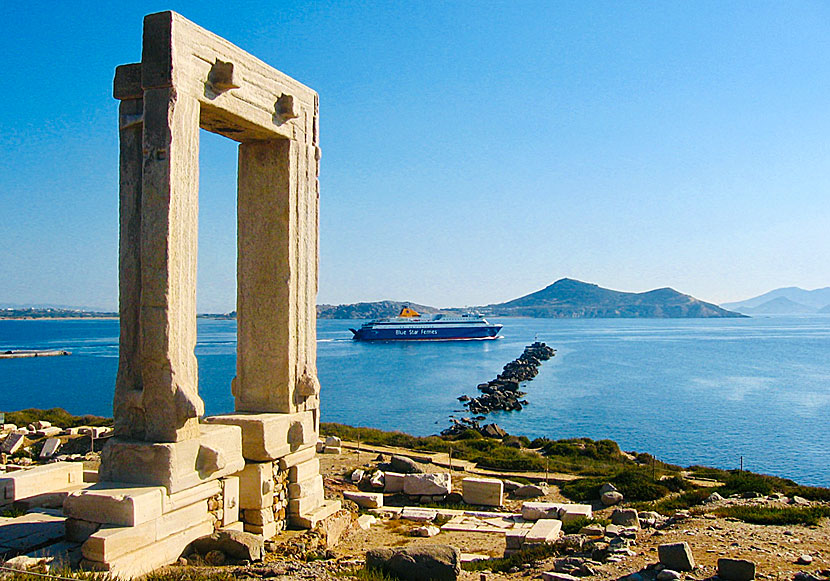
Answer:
(517, 559)
(366, 575)
(574, 526)
(12, 512)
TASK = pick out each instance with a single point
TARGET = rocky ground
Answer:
(779, 552)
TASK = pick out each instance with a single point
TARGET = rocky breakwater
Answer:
(503, 392)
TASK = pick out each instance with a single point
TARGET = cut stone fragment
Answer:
(676, 556)
(427, 484)
(544, 531)
(482, 491)
(40, 480)
(256, 485)
(50, 447)
(365, 499)
(736, 569)
(419, 514)
(393, 482)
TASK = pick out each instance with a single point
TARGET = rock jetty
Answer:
(503, 392)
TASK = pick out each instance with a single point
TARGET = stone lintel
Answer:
(268, 437)
(249, 101)
(176, 466)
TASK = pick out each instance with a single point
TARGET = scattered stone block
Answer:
(393, 482)
(555, 576)
(332, 450)
(804, 559)
(48, 432)
(404, 465)
(515, 538)
(8, 428)
(12, 443)
(736, 569)
(592, 530)
(39, 480)
(626, 517)
(50, 447)
(538, 510)
(427, 484)
(356, 475)
(419, 514)
(426, 531)
(530, 491)
(611, 498)
(571, 512)
(544, 531)
(42, 424)
(365, 499)
(676, 556)
(365, 521)
(436, 562)
(482, 491)
(333, 441)
(117, 504)
(668, 575)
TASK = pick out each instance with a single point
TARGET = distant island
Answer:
(566, 298)
(789, 300)
(53, 313)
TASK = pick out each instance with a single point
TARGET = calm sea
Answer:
(691, 391)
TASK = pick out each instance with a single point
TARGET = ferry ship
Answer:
(410, 325)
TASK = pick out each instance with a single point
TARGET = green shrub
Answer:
(636, 484)
(769, 515)
(746, 482)
(501, 565)
(686, 500)
(574, 526)
(809, 492)
(56, 416)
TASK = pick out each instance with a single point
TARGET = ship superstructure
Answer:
(410, 325)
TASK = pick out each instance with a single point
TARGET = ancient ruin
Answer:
(169, 476)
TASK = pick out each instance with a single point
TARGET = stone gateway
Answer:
(170, 476)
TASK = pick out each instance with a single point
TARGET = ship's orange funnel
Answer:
(407, 312)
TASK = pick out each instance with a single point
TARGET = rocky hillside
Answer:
(575, 299)
(375, 310)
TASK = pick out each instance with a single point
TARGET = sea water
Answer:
(691, 391)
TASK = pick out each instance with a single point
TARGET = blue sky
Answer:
(472, 151)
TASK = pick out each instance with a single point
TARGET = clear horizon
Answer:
(472, 154)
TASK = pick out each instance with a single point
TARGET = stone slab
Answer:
(50, 446)
(40, 480)
(736, 569)
(271, 436)
(676, 556)
(393, 482)
(539, 510)
(482, 491)
(571, 512)
(116, 503)
(27, 532)
(515, 538)
(78, 531)
(111, 542)
(364, 499)
(419, 514)
(216, 453)
(544, 531)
